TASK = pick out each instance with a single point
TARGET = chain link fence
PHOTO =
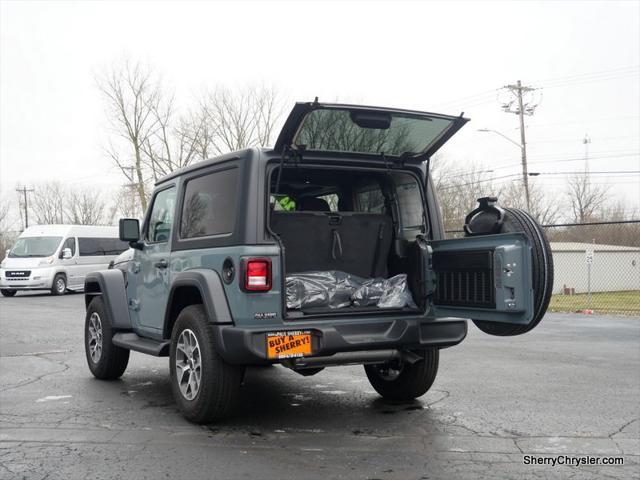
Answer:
(597, 266)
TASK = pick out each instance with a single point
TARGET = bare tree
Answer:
(545, 207)
(124, 205)
(459, 189)
(48, 203)
(7, 236)
(136, 107)
(4, 214)
(585, 198)
(84, 207)
(52, 203)
(238, 119)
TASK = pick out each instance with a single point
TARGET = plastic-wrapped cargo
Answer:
(384, 293)
(336, 289)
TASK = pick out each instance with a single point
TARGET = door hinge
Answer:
(134, 304)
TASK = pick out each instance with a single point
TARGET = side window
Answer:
(113, 246)
(70, 243)
(370, 199)
(98, 246)
(409, 200)
(89, 247)
(161, 218)
(209, 206)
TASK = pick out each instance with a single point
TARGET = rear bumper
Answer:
(247, 346)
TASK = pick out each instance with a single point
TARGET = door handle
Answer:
(162, 264)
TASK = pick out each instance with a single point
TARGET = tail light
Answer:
(256, 274)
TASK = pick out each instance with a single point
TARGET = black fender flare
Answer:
(214, 299)
(110, 285)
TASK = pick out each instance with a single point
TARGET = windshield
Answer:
(390, 133)
(35, 247)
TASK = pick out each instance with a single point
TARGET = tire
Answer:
(542, 273)
(59, 285)
(8, 293)
(411, 381)
(192, 350)
(107, 362)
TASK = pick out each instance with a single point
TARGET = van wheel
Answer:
(403, 380)
(204, 386)
(106, 361)
(8, 293)
(59, 285)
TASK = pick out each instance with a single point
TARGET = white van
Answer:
(57, 257)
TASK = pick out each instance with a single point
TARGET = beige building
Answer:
(612, 267)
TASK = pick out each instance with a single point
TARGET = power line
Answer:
(462, 100)
(481, 98)
(591, 80)
(589, 172)
(448, 187)
(579, 122)
(600, 72)
(562, 160)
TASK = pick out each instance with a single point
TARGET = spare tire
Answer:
(510, 220)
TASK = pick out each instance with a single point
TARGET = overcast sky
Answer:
(446, 57)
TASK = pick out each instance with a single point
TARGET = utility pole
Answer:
(521, 108)
(24, 190)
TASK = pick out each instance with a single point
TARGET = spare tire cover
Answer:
(515, 220)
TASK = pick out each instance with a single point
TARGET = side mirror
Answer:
(66, 254)
(129, 229)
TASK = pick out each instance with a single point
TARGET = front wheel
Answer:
(204, 386)
(8, 293)
(403, 380)
(59, 285)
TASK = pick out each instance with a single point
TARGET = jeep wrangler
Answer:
(327, 249)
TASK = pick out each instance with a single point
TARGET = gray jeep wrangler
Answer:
(327, 249)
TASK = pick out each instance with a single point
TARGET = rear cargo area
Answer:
(348, 239)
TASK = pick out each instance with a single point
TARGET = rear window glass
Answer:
(332, 201)
(209, 206)
(336, 130)
(370, 200)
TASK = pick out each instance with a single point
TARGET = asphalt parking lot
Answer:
(571, 387)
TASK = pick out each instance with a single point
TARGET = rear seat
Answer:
(356, 243)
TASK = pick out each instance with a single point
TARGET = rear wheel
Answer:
(8, 293)
(204, 386)
(59, 285)
(106, 361)
(542, 272)
(403, 380)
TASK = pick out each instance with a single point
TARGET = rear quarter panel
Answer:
(245, 307)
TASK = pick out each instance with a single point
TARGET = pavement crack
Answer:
(623, 427)
(444, 397)
(515, 442)
(40, 377)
